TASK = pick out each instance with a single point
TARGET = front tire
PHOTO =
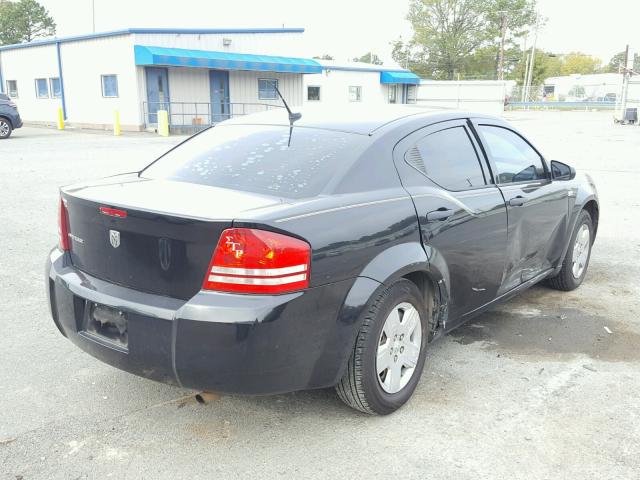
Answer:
(576, 261)
(5, 129)
(389, 353)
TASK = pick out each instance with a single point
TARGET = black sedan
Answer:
(260, 258)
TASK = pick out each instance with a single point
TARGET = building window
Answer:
(42, 88)
(355, 94)
(313, 94)
(12, 88)
(267, 89)
(55, 87)
(109, 86)
(393, 93)
(412, 94)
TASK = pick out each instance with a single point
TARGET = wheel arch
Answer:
(593, 208)
(408, 261)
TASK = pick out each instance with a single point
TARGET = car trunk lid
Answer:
(149, 235)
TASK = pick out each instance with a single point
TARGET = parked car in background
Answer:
(262, 256)
(9, 116)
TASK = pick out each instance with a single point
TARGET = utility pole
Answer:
(532, 62)
(93, 15)
(503, 35)
(524, 80)
(626, 72)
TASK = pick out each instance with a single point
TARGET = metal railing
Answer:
(190, 117)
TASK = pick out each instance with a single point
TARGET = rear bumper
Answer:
(215, 341)
(16, 121)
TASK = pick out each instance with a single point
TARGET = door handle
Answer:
(441, 214)
(517, 201)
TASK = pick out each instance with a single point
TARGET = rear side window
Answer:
(257, 159)
(515, 160)
(449, 159)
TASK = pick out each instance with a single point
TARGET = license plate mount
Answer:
(106, 324)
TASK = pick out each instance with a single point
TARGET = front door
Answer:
(219, 85)
(462, 216)
(157, 92)
(537, 208)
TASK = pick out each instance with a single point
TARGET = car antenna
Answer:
(293, 117)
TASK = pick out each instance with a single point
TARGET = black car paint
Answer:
(371, 230)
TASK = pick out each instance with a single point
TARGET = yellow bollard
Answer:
(60, 119)
(163, 123)
(116, 123)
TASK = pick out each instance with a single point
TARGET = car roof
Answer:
(359, 119)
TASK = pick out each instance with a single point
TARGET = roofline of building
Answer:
(129, 31)
(364, 69)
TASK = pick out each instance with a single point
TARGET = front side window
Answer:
(42, 88)
(313, 94)
(55, 87)
(109, 86)
(12, 88)
(515, 160)
(449, 159)
(260, 159)
(355, 94)
(267, 89)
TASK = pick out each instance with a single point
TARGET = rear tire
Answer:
(364, 387)
(576, 261)
(5, 129)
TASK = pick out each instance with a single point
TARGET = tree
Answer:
(446, 32)
(617, 62)
(326, 56)
(24, 21)
(369, 58)
(546, 65)
(506, 21)
(576, 62)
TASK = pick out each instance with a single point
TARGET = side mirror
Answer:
(562, 171)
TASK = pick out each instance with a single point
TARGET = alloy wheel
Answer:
(399, 347)
(581, 251)
(4, 128)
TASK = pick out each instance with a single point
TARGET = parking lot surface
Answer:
(535, 388)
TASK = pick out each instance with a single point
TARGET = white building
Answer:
(200, 76)
(597, 87)
(360, 82)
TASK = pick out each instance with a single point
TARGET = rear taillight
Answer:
(63, 227)
(247, 260)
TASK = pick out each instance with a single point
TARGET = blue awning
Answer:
(399, 77)
(181, 57)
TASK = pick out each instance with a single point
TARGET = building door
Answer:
(220, 106)
(157, 92)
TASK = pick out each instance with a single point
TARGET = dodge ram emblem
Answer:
(114, 238)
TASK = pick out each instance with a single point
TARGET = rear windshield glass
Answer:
(258, 159)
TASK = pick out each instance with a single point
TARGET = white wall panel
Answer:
(83, 64)
(25, 65)
(285, 44)
(334, 86)
(243, 88)
(477, 96)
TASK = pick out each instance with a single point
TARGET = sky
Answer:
(349, 28)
